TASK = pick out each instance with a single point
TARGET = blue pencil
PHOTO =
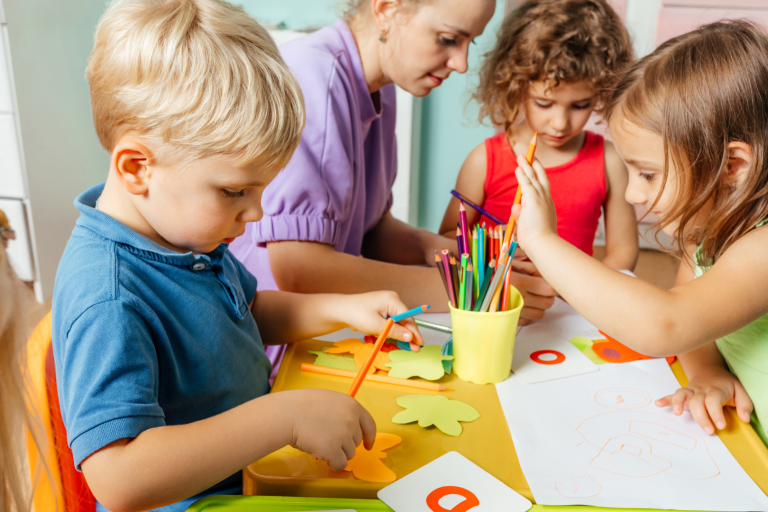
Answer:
(410, 313)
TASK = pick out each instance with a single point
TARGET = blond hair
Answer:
(16, 412)
(200, 77)
(698, 92)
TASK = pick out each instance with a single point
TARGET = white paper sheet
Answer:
(452, 482)
(597, 439)
(552, 334)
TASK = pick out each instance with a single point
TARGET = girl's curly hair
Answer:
(556, 41)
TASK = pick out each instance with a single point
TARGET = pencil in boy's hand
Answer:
(411, 313)
(368, 362)
(306, 367)
(477, 208)
(519, 193)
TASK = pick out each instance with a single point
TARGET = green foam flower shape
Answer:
(427, 363)
(435, 410)
(333, 361)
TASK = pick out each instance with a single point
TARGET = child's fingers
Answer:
(679, 399)
(664, 401)
(368, 427)
(742, 402)
(714, 401)
(541, 175)
(528, 180)
(410, 335)
(349, 448)
(699, 412)
(338, 460)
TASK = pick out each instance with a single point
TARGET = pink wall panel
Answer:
(674, 21)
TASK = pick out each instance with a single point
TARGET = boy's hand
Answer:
(328, 425)
(705, 396)
(368, 312)
(536, 217)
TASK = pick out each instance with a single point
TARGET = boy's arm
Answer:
(164, 465)
(471, 184)
(285, 317)
(621, 247)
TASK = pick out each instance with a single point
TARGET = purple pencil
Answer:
(459, 238)
(476, 207)
(449, 278)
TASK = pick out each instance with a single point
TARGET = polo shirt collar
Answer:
(368, 112)
(112, 229)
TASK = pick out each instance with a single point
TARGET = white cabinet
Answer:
(6, 101)
(19, 252)
(11, 174)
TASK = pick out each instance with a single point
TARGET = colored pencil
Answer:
(449, 279)
(505, 290)
(484, 287)
(459, 238)
(494, 304)
(477, 208)
(463, 278)
(475, 241)
(480, 263)
(519, 193)
(500, 268)
(441, 271)
(455, 274)
(464, 228)
(468, 292)
(433, 326)
(411, 313)
(375, 378)
(368, 362)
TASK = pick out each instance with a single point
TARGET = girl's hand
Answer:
(705, 396)
(328, 425)
(536, 217)
(368, 312)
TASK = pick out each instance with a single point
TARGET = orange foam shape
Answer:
(368, 465)
(361, 351)
(606, 349)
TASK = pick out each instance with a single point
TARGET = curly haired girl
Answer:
(549, 70)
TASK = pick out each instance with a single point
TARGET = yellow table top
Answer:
(486, 441)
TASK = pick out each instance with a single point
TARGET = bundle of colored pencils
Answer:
(475, 281)
(479, 279)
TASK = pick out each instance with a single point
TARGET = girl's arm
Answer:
(620, 222)
(710, 385)
(640, 315)
(470, 184)
(285, 317)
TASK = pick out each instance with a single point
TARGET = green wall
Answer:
(449, 130)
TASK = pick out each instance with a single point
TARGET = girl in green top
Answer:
(691, 123)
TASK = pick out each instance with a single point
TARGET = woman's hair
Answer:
(15, 413)
(351, 9)
(700, 91)
(557, 41)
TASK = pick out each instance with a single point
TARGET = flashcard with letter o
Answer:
(452, 483)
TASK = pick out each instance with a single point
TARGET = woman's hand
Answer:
(706, 395)
(368, 312)
(536, 217)
(431, 242)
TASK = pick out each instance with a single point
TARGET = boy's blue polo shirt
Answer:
(145, 337)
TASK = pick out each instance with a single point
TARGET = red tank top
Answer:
(578, 188)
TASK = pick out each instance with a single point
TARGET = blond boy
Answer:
(162, 375)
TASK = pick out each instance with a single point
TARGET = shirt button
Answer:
(198, 266)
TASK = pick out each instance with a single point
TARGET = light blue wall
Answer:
(447, 134)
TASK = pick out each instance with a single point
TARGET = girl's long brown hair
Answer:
(700, 91)
(556, 41)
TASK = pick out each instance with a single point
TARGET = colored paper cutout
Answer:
(536, 357)
(470, 501)
(333, 361)
(389, 344)
(360, 351)
(585, 346)
(609, 351)
(427, 363)
(448, 351)
(367, 465)
(435, 410)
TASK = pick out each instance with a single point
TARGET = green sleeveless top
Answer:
(746, 352)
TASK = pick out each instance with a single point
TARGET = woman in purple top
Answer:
(331, 204)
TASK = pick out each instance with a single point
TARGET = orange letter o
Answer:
(470, 500)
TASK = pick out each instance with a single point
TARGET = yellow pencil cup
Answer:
(483, 342)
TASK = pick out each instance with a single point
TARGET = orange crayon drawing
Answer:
(640, 444)
(470, 500)
(579, 487)
(622, 398)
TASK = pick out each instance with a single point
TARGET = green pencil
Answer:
(486, 284)
(463, 278)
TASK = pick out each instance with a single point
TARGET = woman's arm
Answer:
(471, 184)
(640, 315)
(621, 246)
(394, 241)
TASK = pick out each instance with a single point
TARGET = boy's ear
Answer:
(740, 156)
(131, 159)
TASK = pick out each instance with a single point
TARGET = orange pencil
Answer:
(505, 290)
(519, 193)
(368, 362)
(375, 378)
